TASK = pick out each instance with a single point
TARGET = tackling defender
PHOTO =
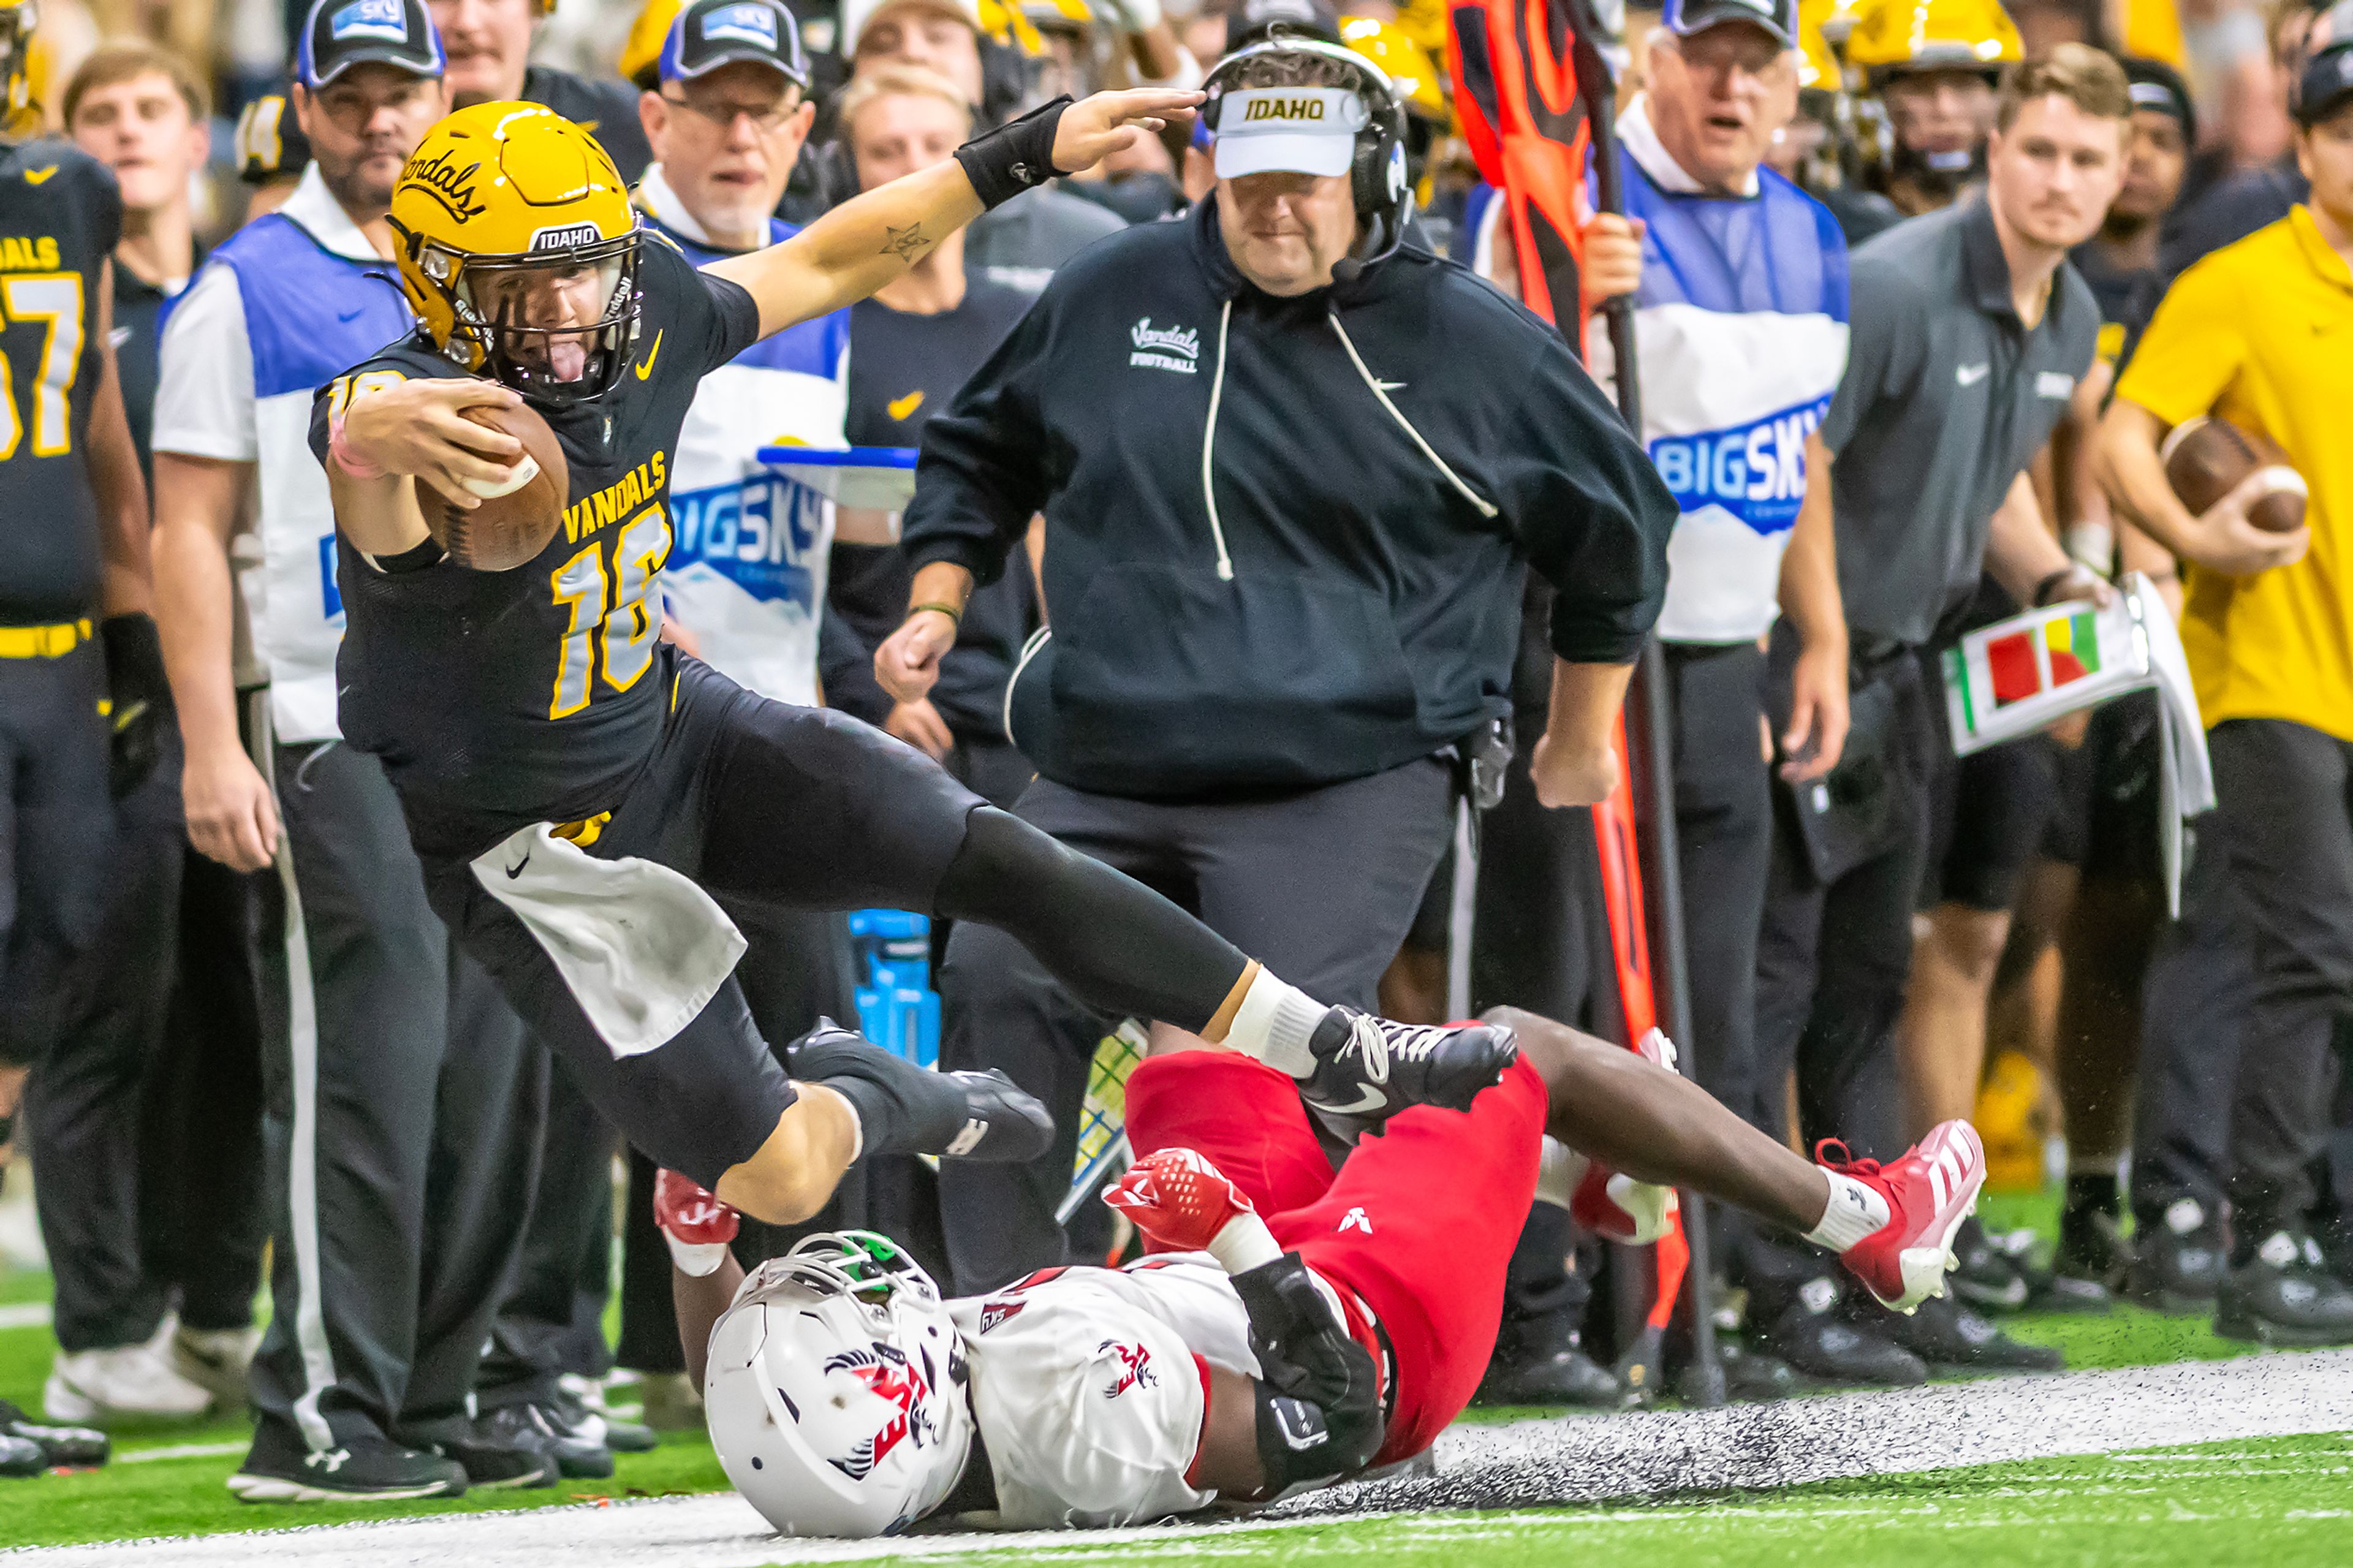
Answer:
(578, 790)
(1249, 1356)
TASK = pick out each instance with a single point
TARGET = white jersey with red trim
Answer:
(1090, 1386)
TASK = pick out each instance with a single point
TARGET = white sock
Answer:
(1557, 1173)
(1855, 1212)
(1274, 1024)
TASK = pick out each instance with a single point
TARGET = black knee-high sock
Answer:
(1118, 945)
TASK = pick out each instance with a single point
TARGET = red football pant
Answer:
(1419, 1222)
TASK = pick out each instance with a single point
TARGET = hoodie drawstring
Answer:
(1208, 441)
(1486, 507)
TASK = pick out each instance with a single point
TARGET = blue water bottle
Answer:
(897, 1008)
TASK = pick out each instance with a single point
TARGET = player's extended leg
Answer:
(813, 809)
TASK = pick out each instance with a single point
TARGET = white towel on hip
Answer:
(640, 946)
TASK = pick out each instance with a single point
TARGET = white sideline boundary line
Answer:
(1527, 1464)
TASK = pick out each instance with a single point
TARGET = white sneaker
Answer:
(125, 1386)
(216, 1359)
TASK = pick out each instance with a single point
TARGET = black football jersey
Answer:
(500, 698)
(60, 214)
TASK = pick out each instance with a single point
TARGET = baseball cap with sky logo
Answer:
(342, 34)
(1778, 18)
(709, 34)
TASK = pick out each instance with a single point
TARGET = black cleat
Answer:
(363, 1468)
(2178, 1259)
(2284, 1295)
(572, 1413)
(909, 1109)
(75, 1447)
(2089, 1265)
(1945, 1334)
(508, 1448)
(1822, 1344)
(1371, 1069)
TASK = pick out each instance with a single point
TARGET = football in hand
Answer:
(2206, 459)
(513, 525)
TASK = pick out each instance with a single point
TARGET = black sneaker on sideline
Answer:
(909, 1109)
(1372, 1068)
(571, 1413)
(2090, 1265)
(1545, 1366)
(1987, 1275)
(76, 1448)
(2179, 1259)
(1946, 1333)
(363, 1469)
(575, 1438)
(1818, 1341)
(2284, 1295)
(21, 1456)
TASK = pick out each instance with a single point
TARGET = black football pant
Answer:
(405, 1105)
(2285, 810)
(147, 1110)
(1319, 885)
(56, 821)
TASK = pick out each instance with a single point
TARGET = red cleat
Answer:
(695, 1222)
(1929, 1191)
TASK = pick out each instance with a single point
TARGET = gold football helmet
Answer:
(18, 115)
(1891, 37)
(518, 250)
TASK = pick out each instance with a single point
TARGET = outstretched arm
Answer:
(873, 238)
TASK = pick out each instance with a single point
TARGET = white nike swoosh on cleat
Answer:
(1370, 1099)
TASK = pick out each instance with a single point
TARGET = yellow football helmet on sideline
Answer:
(518, 250)
(1420, 80)
(1891, 37)
(641, 54)
(18, 115)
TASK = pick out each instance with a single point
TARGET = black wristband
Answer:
(1015, 156)
(2043, 589)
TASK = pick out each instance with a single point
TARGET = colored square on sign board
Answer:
(2011, 662)
(2074, 644)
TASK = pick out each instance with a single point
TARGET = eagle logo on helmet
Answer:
(889, 1375)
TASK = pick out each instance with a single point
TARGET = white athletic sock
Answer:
(1855, 1212)
(1557, 1173)
(1274, 1024)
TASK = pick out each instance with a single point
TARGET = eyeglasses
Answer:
(766, 118)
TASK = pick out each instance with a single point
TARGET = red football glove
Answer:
(1177, 1198)
(697, 1226)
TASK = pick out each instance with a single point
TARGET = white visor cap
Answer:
(1302, 130)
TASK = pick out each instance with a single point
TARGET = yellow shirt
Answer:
(2153, 32)
(2261, 334)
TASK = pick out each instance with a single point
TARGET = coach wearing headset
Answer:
(1293, 470)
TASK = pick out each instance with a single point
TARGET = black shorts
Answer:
(56, 832)
(763, 803)
(2104, 816)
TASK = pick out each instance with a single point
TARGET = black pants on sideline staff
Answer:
(1723, 829)
(1833, 957)
(2194, 1003)
(54, 822)
(1320, 885)
(1539, 940)
(405, 1101)
(2286, 794)
(146, 1111)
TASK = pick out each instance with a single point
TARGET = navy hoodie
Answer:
(1285, 537)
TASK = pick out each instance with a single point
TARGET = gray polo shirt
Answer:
(1945, 397)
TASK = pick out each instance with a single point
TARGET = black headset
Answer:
(1377, 174)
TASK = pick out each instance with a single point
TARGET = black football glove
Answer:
(140, 700)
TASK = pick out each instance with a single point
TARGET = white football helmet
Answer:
(837, 1391)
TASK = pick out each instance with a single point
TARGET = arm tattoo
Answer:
(906, 244)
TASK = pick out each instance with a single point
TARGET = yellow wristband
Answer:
(950, 611)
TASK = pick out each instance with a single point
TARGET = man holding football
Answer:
(582, 794)
(1294, 1327)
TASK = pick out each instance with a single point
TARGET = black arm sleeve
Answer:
(1588, 508)
(984, 470)
(1319, 1405)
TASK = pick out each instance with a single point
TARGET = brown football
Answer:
(2206, 459)
(506, 531)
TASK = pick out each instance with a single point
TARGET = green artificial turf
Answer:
(2272, 1501)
